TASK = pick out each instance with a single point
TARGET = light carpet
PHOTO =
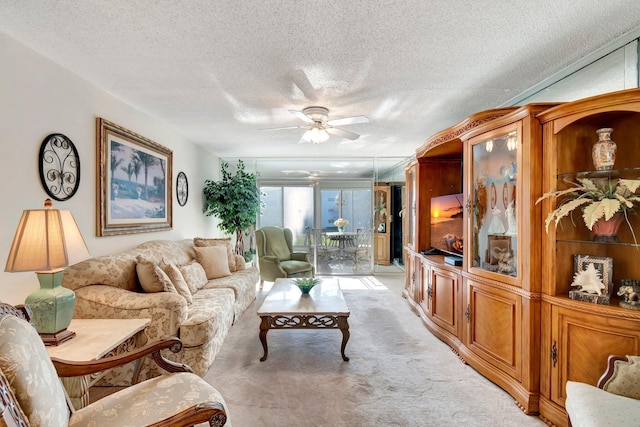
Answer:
(399, 373)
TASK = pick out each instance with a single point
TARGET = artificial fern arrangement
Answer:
(598, 198)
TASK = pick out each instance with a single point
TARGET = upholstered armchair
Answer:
(31, 392)
(276, 257)
(614, 402)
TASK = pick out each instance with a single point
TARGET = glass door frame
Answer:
(473, 205)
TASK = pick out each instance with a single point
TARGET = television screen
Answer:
(446, 223)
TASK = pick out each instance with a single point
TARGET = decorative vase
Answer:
(606, 231)
(604, 151)
(340, 229)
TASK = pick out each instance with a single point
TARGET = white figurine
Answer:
(496, 226)
(512, 221)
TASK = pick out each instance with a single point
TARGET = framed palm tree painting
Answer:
(134, 182)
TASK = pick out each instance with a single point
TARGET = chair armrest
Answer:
(270, 258)
(167, 310)
(300, 256)
(213, 412)
(66, 368)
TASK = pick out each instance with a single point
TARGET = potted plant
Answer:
(235, 200)
(602, 200)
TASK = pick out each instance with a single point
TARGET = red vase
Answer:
(607, 230)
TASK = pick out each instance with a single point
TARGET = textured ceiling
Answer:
(219, 71)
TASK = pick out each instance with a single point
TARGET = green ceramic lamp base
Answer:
(52, 307)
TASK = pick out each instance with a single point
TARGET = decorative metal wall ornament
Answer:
(182, 188)
(59, 167)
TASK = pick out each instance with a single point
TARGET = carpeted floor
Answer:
(399, 374)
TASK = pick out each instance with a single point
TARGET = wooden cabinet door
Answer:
(382, 248)
(425, 298)
(582, 342)
(493, 331)
(444, 299)
(413, 278)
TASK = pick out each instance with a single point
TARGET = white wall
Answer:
(37, 98)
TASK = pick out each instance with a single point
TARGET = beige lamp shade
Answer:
(46, 239)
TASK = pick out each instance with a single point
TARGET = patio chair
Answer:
(362, 249)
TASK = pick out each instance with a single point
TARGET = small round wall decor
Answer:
(182, 188)
(59, 167)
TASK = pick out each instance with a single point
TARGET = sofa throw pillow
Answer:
(214, 261)
(626, 378)
(225, 242)
(152, 278)
(173, 272)
(194, 275)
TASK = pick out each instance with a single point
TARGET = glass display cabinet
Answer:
(494, 203)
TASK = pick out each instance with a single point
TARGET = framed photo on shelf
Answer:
(134, 182)
(604, 265)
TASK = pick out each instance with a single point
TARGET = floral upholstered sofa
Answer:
(192, 289)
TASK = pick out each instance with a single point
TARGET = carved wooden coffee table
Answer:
(286, 308)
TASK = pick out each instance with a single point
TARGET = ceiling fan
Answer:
(319, 127)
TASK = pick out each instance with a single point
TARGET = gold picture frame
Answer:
(133, 182)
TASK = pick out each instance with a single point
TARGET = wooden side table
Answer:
(95, 339)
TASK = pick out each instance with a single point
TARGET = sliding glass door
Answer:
(310, 213)
(288, 207)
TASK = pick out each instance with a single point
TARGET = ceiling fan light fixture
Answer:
(316, 135)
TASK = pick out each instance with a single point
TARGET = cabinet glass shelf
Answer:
(598, 243)
(632, 173)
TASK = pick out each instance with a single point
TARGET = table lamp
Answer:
(46, 241)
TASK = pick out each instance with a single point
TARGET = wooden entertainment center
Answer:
(506, 311)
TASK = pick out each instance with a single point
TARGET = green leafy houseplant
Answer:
(597, 197)
(235, 200)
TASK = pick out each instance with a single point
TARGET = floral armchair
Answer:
(31, 393)
(277, 258)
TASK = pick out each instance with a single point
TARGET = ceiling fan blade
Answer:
(302, 116)
(285, 127)
(348, 121)
(302, 140)
(343, 133)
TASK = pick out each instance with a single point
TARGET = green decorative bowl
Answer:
(307, 283)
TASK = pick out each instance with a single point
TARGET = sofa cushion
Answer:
(194, 275)
(224, 242)
(212, 309)
(214, 261)
(625, 380)
(148, 402)
(295, 267)
(178, 281)
(152, 278)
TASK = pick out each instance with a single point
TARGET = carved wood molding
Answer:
(461, 128)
